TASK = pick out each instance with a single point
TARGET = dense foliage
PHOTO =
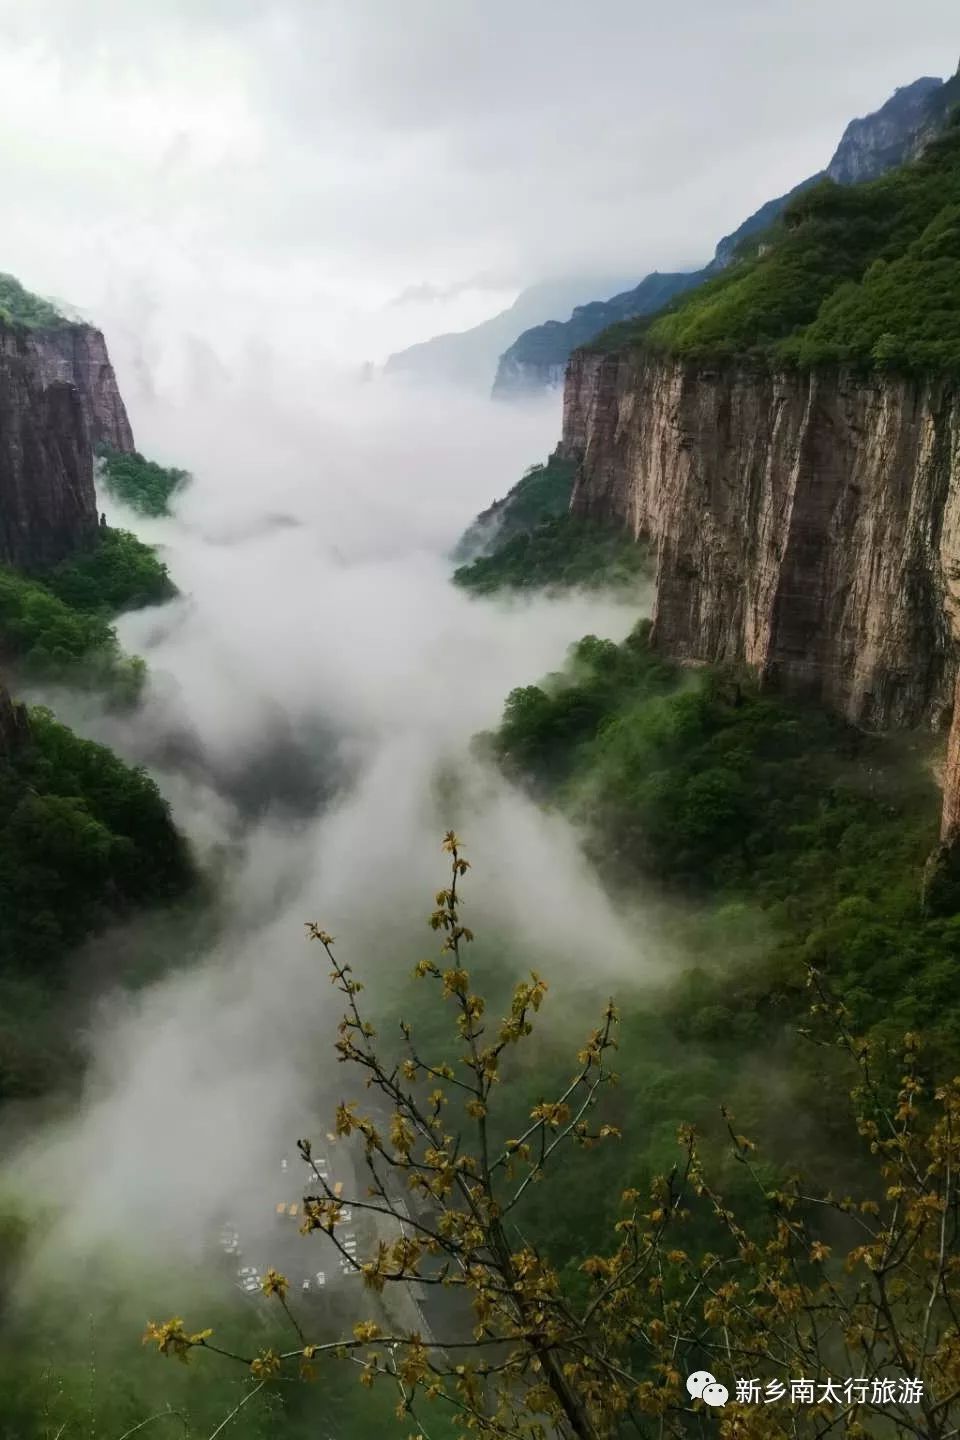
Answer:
(19, 306)
(565, 552)
(57, 627)
(788, 839)
(541, 494)
(865, 274)
(83, 838)
(51, 641)
(142, 484)
(717, 789)
(118, 573)
(530, 541)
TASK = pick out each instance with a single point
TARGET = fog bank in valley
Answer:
(312, 695)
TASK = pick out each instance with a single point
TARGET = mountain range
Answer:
(525, 349)
(869, 146)
(469, 357)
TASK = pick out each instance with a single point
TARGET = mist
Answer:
(311, 700)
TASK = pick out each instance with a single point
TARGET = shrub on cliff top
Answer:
(18, 306)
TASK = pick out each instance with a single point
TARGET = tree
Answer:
(819, 1315)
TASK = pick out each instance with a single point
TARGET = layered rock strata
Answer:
(806, 524)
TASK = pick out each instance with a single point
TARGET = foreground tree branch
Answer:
(768, 1298)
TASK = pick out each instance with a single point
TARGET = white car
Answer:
(320, 1278)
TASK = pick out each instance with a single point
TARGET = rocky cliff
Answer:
(47, 500)
(75, 354)
(876, 143)
(805, 523)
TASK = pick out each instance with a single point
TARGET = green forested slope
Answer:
(864, 274)
(558, 554)
(761, 837)
(722, 792)
(84, 840)
(140, 483)
(530, 541)
(56, 627)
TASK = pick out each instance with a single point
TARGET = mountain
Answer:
(67, 351)
(539, 357)
(785, 439)
(48, 507)
(469, 357)
(868, 147)
(58, 400)
(877, 142)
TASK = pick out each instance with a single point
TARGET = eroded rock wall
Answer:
(806, 524)
(47, 500)
(73, 354)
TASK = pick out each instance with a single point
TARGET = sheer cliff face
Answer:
(804, 524)
(77, 355)
(48, 504)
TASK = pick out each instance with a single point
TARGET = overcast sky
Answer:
(352, 175)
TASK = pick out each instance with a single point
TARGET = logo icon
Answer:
(701, 1385)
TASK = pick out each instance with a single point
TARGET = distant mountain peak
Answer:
(874, 143)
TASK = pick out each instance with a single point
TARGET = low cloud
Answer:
(312, 697)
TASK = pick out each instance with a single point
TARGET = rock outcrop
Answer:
(876, 143)
(806, 524)
(14, 725)
(48, 503)
(76, 354)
